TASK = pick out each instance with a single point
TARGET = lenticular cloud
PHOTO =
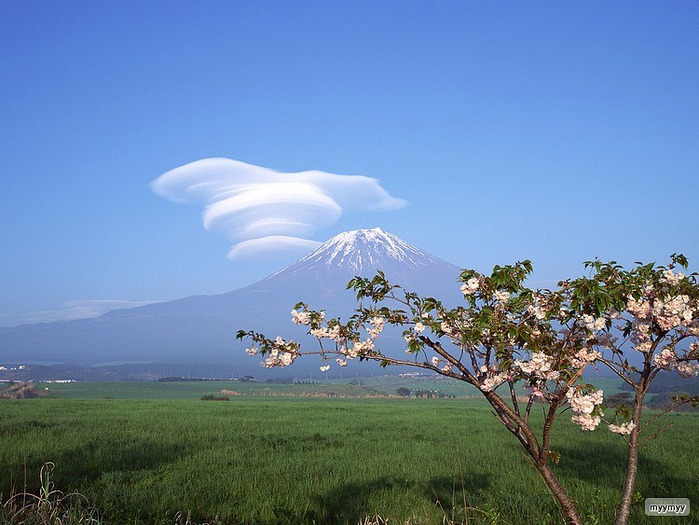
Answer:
(266, 211)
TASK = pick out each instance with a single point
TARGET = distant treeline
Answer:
(432, 394)
(180, 379)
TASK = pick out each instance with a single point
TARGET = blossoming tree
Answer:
(636, 322)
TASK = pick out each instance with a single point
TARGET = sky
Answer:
(156, 150)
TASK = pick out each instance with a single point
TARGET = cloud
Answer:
(70, 311)
(266, 211)
(269, 245)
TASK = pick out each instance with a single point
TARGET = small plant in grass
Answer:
(186, 519)
(212, 397)
(49, 507)
(637, 323)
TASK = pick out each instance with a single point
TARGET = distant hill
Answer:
(201, 329)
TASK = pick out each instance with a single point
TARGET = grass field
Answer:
(156, 449)
(358, 387)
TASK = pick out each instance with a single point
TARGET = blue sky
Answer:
(554, 131)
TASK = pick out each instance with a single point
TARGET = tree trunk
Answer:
(624, 510)
(567, 506)
(514, 423)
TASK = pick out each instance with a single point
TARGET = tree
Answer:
(636, 322)
(402, 391)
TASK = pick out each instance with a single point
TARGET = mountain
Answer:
(326, 270)
(201, 329)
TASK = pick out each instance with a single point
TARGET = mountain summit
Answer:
(200, 329)
(359, 250)
(327, 269)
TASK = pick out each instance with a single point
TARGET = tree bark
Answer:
(524, 434)
(572, 516)
(627, 491)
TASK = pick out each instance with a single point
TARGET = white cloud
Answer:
(70, 311)
(270, 245)
(266, 211)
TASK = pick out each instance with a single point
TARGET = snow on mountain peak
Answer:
(367, 249)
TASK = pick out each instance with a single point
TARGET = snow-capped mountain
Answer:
(200, 329)
(329, 267)
(359, 250)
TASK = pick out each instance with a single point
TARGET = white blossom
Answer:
(491, 383)
(502, 296)
(470, 286)
(593, 324)
(586, 408)
(538, 366)
(584, 356)
(686, 369)
(377, 324)
(586, 421)
(361, 348)
(303, 318)
(670, 277)
(623, 429)
(665, 359)
(537, 311)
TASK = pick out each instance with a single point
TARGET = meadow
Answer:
(153, 449)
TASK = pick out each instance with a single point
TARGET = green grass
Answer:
(305, 460)
(358, 387)
(196, 389)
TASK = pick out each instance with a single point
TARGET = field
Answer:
(154, 449)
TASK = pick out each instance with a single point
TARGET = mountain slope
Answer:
(200, 329)
(326, 270)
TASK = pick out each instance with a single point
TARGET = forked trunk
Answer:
(521, 430)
